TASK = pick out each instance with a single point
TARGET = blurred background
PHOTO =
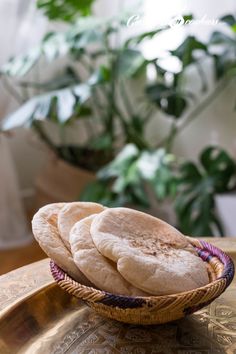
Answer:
(122, 103)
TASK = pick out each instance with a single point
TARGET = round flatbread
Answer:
(73, 212)
(99, 270)
(150, 254)
(44, 226)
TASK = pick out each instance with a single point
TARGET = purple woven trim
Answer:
(109, 299)
(57, 273)
(204, 254)
(124, 302)
(209, 251)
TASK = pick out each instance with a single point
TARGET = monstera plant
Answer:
(124, 180)
(198, 183)
(85, 91)
(91, 90)
(193, 186)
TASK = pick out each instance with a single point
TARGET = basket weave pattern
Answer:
(156, 309)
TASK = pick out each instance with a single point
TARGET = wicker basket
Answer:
(156, 309)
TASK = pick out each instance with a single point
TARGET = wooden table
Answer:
(36, 317)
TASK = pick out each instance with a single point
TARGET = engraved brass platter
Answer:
(36, 317)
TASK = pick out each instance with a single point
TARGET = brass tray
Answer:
(50, 321)
(42, 318)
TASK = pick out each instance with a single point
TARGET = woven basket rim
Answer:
(227, 274)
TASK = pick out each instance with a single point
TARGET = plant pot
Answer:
(226, 209)
(60, 181)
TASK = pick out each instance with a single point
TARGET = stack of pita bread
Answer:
(119, 250)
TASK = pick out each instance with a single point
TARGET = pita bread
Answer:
(150, 254)
(73, 212)
(44, 226)
(99, 270)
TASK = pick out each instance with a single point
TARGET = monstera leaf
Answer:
(224, 58)
(22, 64)
(121, 164)
(185, 52)
(198, 183)
(59, 106)
(221, 38)
(74, 41)
(229, 20)
(124, 178)
(168, 99)
(119, 182)
(130, 62)
(220, 167)
(156, 167)
(65, 10)
(139, 38)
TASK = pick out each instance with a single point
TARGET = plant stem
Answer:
(13, 92)
(86, 65)
(130, 137)
(202, 75)
(201, 107)
(116, 109)
(43, 136)
(97, 107)
(62, 134)
(195, 112)
(173, 130)
(126, 99)
(149, 113)
(113, 65)
(171, 136)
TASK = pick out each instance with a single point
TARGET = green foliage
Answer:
(229, 20)
(66, 10)
(130, 62)
(119, 65)
(225, 63)
(55, 45)
(123, 180)
(101, 76)
(88, 158)
(98, 191)
(185, 52)
(158, 169)
(21, 65)
(197, 186)
(59, 106)
(96, 85)
(139, 38)
(67, 78)
(68, 95)
(171, 97)
(169, 100)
